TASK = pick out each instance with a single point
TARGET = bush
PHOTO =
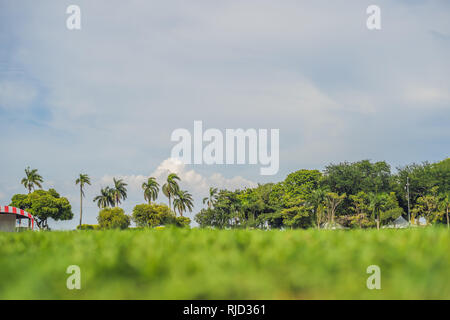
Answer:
(183, 222)
(152, 215)
(88, 227)
(113, 218)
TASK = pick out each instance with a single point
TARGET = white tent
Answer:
(399, 223)
(331, 226)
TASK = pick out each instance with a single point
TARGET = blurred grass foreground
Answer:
(226, 264)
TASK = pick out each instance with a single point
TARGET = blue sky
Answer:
(104, 100)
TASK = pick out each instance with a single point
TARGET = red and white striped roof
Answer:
(17, 211)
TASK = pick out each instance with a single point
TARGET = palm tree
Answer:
(82, 180)
(151, 189)
(183, 201)
(317, 201)
(211, 198)
(171, 187)
(119, 191)
(32, 179)
(375, 203)
(105, 198)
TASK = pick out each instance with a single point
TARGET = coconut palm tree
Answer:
(105, 198)
(183, 201)
(32, 179)
(82, 180)
(151, 189)
(211, 198)
(119, 191)
(171, 187)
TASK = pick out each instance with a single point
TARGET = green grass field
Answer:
(228, 264)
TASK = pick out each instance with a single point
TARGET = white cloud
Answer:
(191, 180)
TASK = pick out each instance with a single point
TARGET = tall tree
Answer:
(32, 179)
(151, 189)
(171, 187)
(428, 206)
(333, 200)
(183, 201)
(119, 191)
(444, 206)
(317, 201)
(105, 199)
(211, 198)
(360, 206)
(375, 203)
(82, 180)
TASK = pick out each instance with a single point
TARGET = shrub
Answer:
(183, 222)
(113, 218)
(152, 215)
(88, 227)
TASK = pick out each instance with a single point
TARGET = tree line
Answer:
(361, 194)
(351, 195)
(44, 204)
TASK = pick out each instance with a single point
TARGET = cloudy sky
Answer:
(105, 99)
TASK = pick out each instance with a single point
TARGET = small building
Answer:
(10, 215)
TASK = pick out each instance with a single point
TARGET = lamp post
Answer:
(407, 197)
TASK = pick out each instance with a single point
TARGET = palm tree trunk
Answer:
(378, 221)
(81, 205)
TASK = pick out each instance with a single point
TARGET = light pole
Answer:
(407, 196)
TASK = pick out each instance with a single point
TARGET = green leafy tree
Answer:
(226, 211)
(32, 179)
(82, 180)
(152, 215)
(151, 189)
(208, 218)
(297, 214)
(302, 182)
(44, 205)
(375, 204)
(428, 206)
(332, 201)
(351, 178)
(444, 206)
(360, 207)
(317, 202)
(113, 218)
(182, 222)
(390, 209)
(422, 178)
(171, 187)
